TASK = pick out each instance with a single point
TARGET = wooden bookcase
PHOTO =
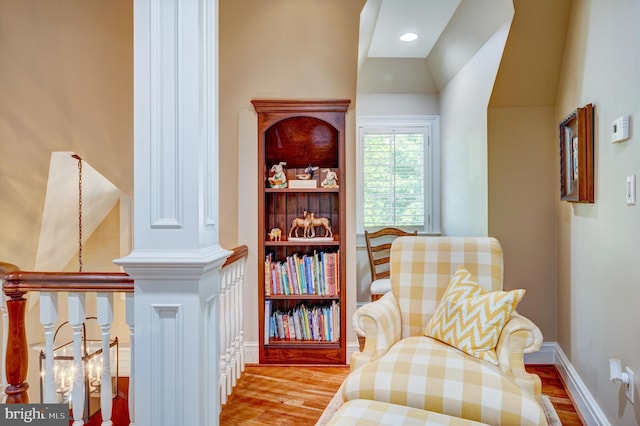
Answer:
(301, 133)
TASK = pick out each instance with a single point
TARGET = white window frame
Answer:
(431, 125)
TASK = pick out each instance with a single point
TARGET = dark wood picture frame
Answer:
(576, 156)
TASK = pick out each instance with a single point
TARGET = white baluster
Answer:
(228, 322)
(130, 322)
(236, 323)
(77, 317)
(48, 319)
(105, 319)
(241, 268)
(222, 370)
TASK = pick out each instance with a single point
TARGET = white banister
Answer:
(222, 357)
(130, 322)
(238, 274)
(48, 319)
(105, 319)
(235, 338)
(229, 322)
(242, 267)
(77, 317)
(231, 358)
(222, 332)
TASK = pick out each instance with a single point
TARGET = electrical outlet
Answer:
(630, 385)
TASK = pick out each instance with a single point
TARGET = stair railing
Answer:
(15, 351)
(231, 358)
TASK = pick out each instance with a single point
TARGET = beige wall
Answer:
(599, 244)
(279, 49)
(521, 150)
(66, 85)
(522, 196)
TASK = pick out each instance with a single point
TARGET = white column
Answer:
(176, 258)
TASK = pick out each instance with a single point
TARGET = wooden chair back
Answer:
(379, 249)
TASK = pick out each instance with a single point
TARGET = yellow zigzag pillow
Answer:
(470, 318)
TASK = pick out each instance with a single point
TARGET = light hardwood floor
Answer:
(282, 396)
(297, 395)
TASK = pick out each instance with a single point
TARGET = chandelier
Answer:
(64, 370)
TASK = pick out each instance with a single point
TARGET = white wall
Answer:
(463, 130)
(599, 244)
(386, 104)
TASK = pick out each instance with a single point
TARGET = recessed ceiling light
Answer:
(409, 37)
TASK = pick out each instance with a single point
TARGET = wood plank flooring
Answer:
(554, 388)
(282, 396)
(297, 395)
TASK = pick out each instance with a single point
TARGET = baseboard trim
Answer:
(545, 355)
(252, 354)
(585, 404)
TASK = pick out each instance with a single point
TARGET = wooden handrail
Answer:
(16, 283)
(238, 253)
(25, 281)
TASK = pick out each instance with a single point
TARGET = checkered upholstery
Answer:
(421, 269)
(422, 373)
(362, 412)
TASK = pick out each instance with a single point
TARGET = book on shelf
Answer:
(267, 320)
(315, 274)
(316, 323)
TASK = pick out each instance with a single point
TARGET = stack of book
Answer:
(316, 274)
(319, 323)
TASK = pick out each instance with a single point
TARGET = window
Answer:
(398, 173)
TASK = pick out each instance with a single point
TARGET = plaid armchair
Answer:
(399, 365)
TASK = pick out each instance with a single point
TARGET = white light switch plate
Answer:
(630, 386)
(631, 190)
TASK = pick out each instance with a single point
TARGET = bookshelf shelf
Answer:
(307, 344)
(285, 242)
(301, 287)
(300, 190)
(300, 297)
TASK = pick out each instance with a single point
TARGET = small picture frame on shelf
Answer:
(576, 156)
(303, 184)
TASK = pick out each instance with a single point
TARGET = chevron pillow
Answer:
(470, 318)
